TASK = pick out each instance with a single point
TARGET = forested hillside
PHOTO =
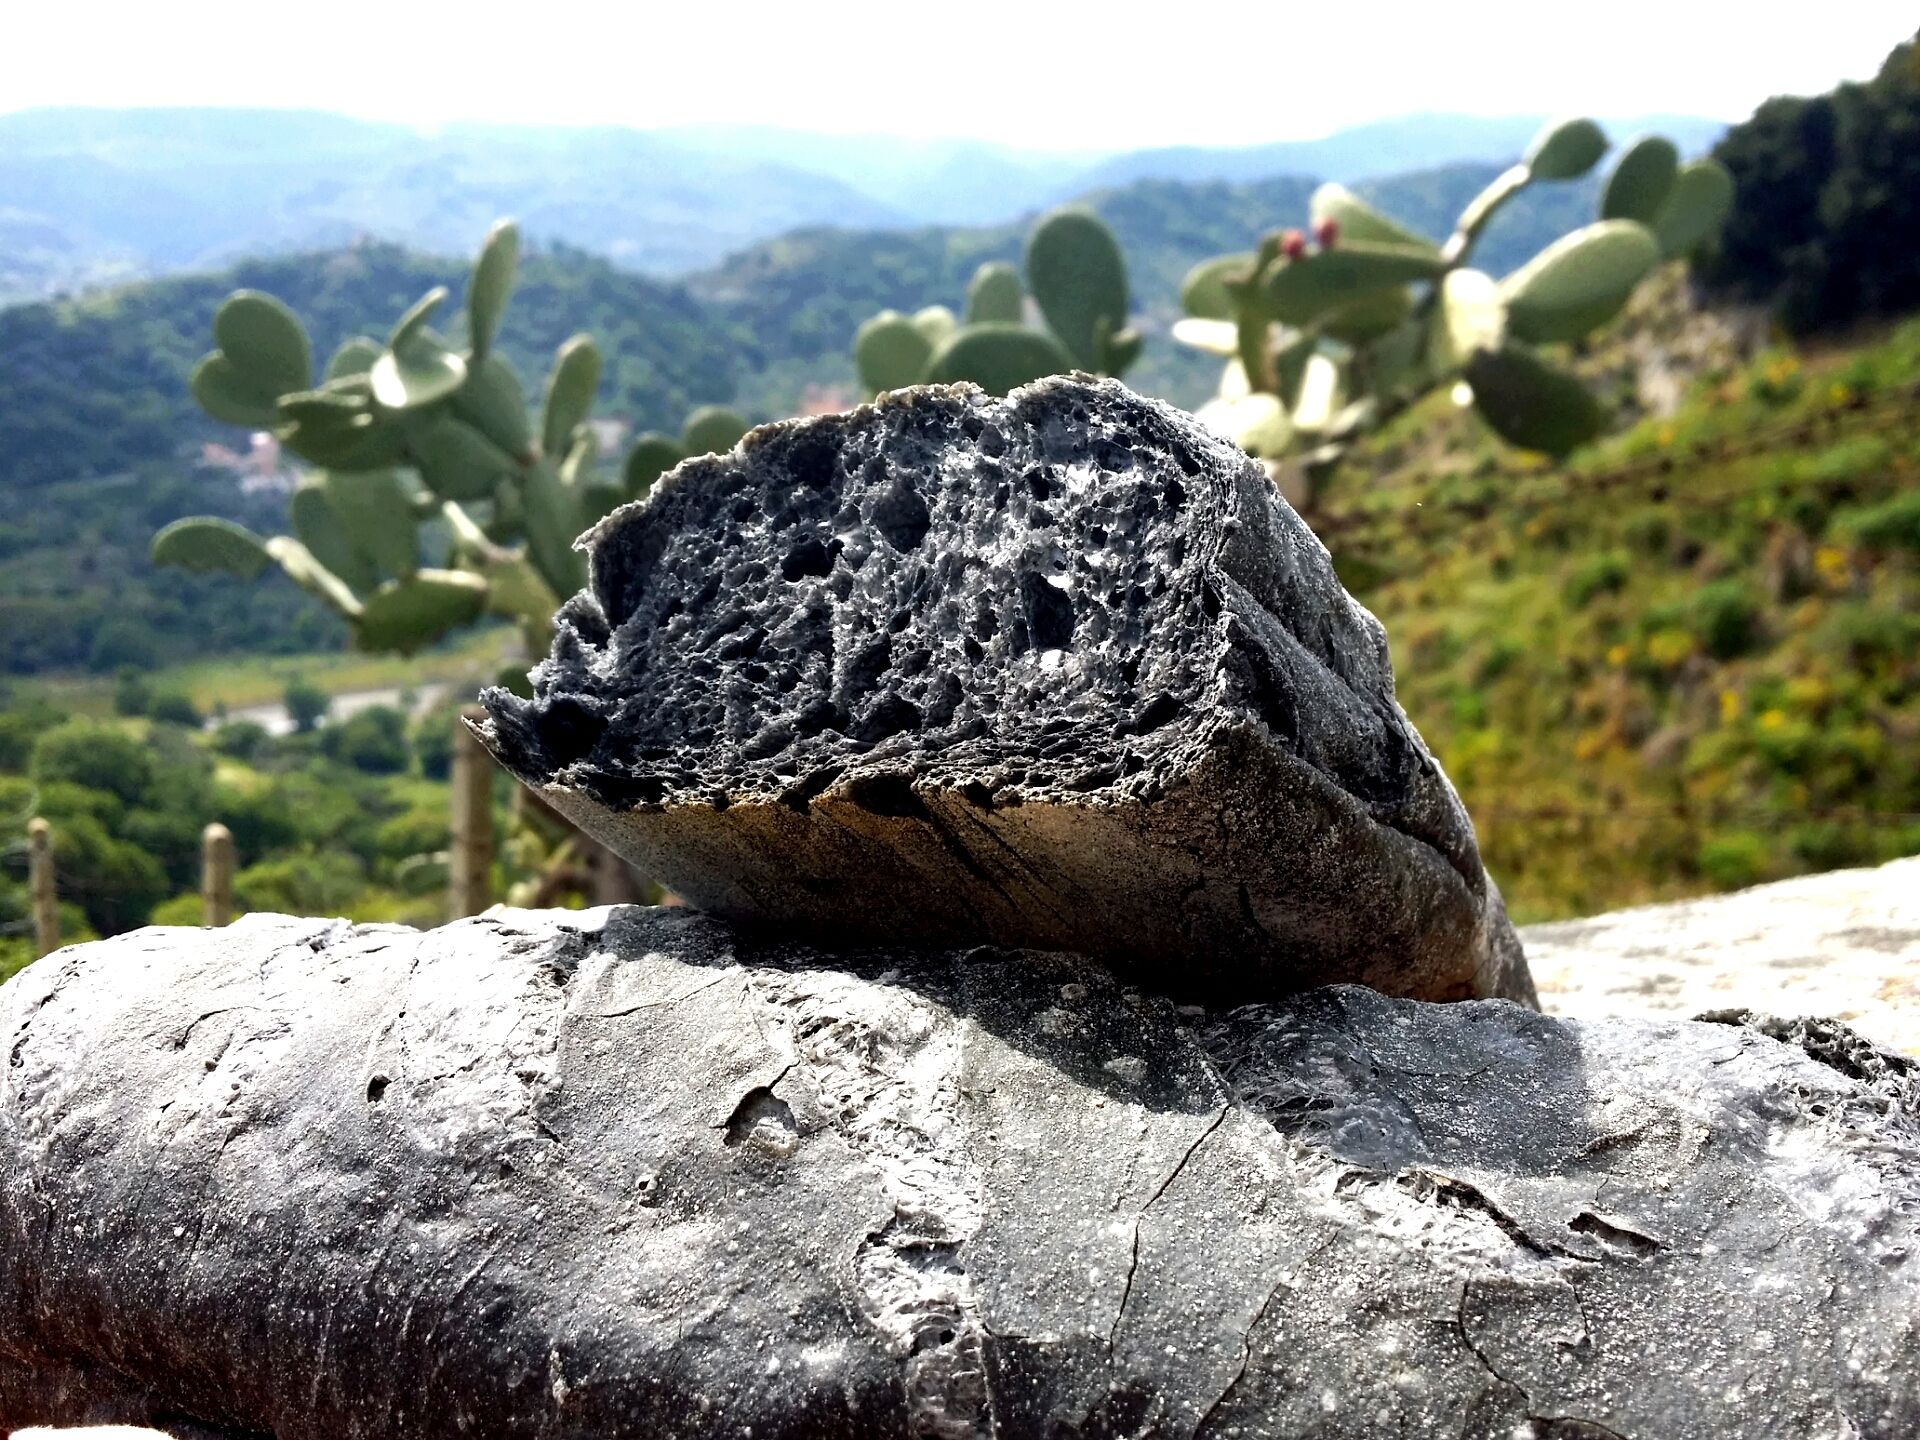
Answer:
(77, 591)
(1688, 661)
(98, 405)
(97, 385)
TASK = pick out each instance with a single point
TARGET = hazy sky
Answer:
(1026, 73)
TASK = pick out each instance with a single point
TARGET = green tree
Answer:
(1827, 201)
(373, 740)
(114, 881)
(132, 691)
(243, 740)
(175, 707)
(123, 642)
(433, 742)
(307, 704)
(96, 754)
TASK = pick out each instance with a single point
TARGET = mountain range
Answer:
(94, 196)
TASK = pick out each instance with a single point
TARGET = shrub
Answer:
(175, 707)
(21, 728)
(114, 882)
(182, 909)
(1603, 574)
(242, 740)
(1859, 457)
(1865, 637)
(260, 822)
(1776, 378)
(1891, 525)
(323, 883)
(124, 642)
(132, 692)
(1826, 845)
(374, 740)
(1649, 532)
(307, 704)
(16, 953)
(1734, 861)
(416, 832)
(59, 799)
(1500, 657)
(1726, 618)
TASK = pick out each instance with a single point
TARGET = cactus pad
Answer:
(209, 545)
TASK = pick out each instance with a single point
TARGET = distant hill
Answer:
(93, 197)
(963, 182)
(936, 182)
(1382, 148)
(98, 436)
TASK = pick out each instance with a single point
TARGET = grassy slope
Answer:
(1687, 661)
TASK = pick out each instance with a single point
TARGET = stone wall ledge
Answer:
(623, 1173)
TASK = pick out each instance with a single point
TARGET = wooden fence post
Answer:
(614, 882)
(46, 905)
(470, 867)
(216, 875)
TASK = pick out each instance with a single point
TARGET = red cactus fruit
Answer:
(1327, 232)
(1293, 245)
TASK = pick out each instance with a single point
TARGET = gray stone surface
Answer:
(1845, 945)
(1062, 670)
(622, 1173)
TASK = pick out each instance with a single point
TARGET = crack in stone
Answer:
(1466, 1337)
(681, 998)
(1133, 1262)
(1281, 1282)
(1458, 1194)
(1602, 1431)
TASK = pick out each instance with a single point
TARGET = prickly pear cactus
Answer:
(995, 295)
(1324, 337)
(413, 429)
(1076, 276)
